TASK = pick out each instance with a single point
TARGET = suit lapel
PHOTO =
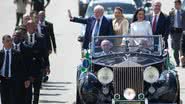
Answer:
(12, 59)
(93, 24)
(159, 21)
(101, 25)
(2, 58)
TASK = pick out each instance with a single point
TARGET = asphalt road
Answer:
(61, 86)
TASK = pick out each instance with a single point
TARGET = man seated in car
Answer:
(106, 47)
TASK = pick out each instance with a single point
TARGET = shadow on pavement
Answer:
(55, 102)
(49, 89)
(45, 85)
(43, 94)
(58, 83)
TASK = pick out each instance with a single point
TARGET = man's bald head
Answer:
(106, 45)
(42, 16)
(26, 18)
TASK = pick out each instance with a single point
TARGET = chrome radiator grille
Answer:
(128, 77)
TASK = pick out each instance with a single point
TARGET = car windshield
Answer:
(109, 45)
(109, 8)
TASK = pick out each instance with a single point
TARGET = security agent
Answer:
(38, 58)
(12, 73)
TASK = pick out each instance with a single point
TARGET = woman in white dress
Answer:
(140, 27)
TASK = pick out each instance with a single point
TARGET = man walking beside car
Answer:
(96, 25)
(176, 28)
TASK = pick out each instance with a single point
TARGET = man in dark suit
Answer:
(96, 25)
(21, 46)
(12, 72)
(50, 31)
(176, 28)
(39, 5)
(46, 28)
(39, 59)
(159, 21)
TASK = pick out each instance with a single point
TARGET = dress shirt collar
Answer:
(178, 10)
(42, 23)
(158, 14)
(30, 34)
(18, 44)
(6, 49)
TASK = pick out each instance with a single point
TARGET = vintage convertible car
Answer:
(127, 70)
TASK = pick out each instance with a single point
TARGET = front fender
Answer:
(166, 88)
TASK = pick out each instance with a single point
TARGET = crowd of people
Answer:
(154, 23)
(24, 58)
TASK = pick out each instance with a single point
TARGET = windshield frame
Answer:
(92, 50)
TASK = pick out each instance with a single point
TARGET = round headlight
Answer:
(151, 74)
(105, 75)
(129, 94)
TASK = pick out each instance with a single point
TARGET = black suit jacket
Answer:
(50, 36)
(26, 53)
(18, 70)
(39, 55)
(105, 28)
(162, 26)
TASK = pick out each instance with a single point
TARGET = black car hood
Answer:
(128, 59)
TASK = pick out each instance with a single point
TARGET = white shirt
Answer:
(142, 28)
(18, 46)
(157, 17)
(39, 26)
(3, 67)
(175, 19)
(29, 38)
(93, 33)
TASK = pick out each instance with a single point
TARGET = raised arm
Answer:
(48, 1)
(75, 19)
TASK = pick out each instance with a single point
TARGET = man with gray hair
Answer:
(106, 46)
(96, 25)
(159, 21)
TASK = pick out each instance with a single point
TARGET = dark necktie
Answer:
(97, 28)
(178, 19)
(154, 24)
(31, 38)
(16, 47)
(7, 64)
